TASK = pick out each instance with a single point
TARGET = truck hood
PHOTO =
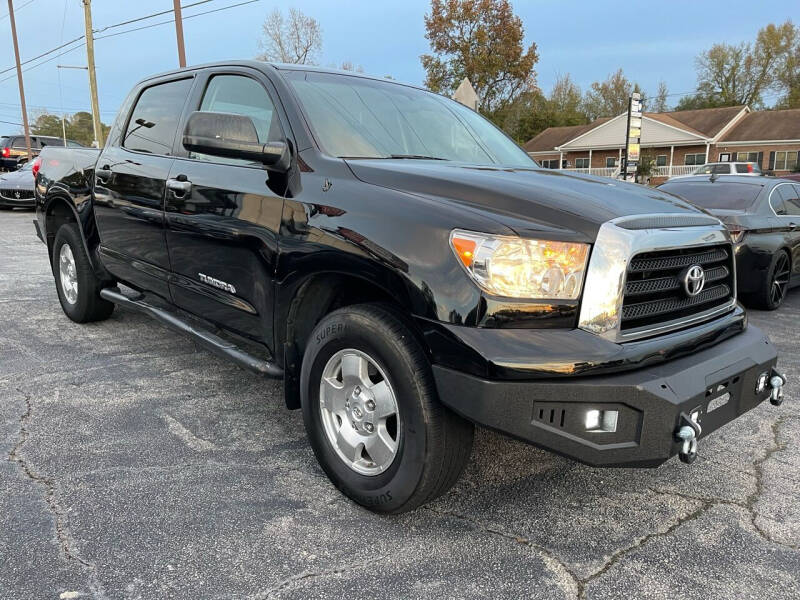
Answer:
(526, 200)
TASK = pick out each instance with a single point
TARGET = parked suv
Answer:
(407, 271)
(725, 168)
(14, 152)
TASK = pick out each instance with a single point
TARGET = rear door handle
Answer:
(103, 174)
(792, 226)
(180, 188)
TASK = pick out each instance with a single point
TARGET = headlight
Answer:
(522, 268)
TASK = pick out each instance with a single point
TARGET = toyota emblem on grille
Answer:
(694, 279)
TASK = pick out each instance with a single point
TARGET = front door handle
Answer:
(103, 174)
(180, 188)
(792, 226)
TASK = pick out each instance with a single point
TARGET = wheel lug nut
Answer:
(357, 391)
(370, 405)
(369, 427)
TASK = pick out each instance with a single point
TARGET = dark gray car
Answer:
(16, 188)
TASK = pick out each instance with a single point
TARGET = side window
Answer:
(720, 169)
(791, 199)
(240, 95)
(776, 201)
(155, 117)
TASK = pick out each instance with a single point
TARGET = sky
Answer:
(587, 39)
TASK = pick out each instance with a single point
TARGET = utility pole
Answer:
(98, 129)
(179, 33)
(19, 79)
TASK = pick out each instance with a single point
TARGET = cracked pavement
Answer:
(136, 465)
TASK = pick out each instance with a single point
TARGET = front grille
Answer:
(16, 194)
(654, 291)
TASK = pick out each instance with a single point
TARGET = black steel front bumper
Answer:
(716, 384)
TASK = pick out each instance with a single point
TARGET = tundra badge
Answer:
(217, 283)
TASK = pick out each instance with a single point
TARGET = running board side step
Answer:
(205, 338)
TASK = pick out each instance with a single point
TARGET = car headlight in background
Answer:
(516, 267)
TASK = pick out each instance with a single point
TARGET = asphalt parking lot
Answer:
(138, 466)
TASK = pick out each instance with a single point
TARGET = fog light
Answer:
(761, 384)
(602, 420)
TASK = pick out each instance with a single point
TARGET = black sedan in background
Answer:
(16, 188)
(763, 216)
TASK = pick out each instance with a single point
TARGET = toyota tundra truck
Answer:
(407, 271)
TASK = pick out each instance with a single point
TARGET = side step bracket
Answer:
(205, 338)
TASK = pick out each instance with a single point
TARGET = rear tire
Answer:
(361, 364)
(772, 291)
(78, 286)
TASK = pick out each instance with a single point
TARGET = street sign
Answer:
(633, 135)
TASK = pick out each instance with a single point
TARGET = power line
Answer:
(19, 8)
(9, 122)
(150, 16)
(207, 12)
(64, 45)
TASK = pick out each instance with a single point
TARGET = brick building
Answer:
(679, 141)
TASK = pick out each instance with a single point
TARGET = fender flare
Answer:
(50, 201)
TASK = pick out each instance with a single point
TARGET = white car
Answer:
(725, 168)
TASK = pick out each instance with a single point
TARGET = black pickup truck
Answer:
(407, 271)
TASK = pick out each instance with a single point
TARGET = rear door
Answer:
(223, 215)
(130, 186)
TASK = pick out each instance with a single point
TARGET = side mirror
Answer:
(232, 136)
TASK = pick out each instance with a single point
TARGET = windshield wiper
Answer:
(416, 157)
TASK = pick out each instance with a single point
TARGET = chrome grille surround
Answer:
(614, 250)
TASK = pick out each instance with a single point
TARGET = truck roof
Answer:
(265, 66)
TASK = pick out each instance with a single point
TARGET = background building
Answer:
(678, 141)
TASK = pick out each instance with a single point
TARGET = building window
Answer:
(581, 163)
(747, 156)
(661, 160)
(550, 163)
(725, 157)
(785, 161)
(611, 161)
(695, 159)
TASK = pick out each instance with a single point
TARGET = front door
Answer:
(790, 192)
(223, 216)
(130, 187)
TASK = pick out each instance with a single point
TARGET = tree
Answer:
(659, 103)
(79, 127)
(734, 74)
(297, 39)
(350, 66)
(534, 112)
(483, 41)
(788, 69)
(610, 97)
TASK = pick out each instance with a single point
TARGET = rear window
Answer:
(719, 194)
(4, 141)
(154, 121)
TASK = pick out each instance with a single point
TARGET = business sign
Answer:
(633, 136)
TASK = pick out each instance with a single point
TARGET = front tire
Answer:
(372, 414)
(774, 287)
(78, 286)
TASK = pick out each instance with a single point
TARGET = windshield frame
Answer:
(293, 74)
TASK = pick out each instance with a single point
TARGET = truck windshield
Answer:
(719, 194)
(356, 117)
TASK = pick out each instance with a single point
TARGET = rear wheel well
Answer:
(316, 298)
(58, 213)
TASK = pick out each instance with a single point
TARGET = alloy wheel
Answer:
(359, 412)
(780, 280)
(68, 274)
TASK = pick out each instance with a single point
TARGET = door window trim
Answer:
(146, 86)
(203, 78)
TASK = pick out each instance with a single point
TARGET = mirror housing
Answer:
(232, 136)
